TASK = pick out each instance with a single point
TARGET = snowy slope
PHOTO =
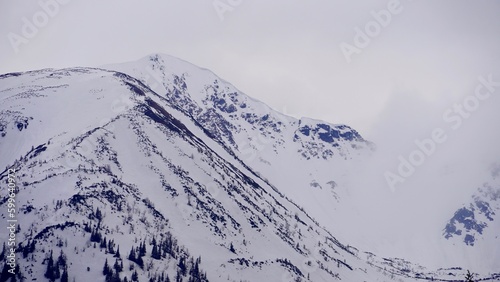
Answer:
(101, 156)
(328, 169)
(140, 175)
(307, 159)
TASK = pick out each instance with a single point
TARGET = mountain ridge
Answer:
(133, 166)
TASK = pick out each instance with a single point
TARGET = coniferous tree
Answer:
(142, 251)
(131, 256)
(29, 248)
(135, 276)
(95, 235)
(98, 214)
(5, 275)
(117, 254)
(182, 266)
(155, 253)
(61, 260)
(86, 227)
(109, 276)
(115, 277)
(105, 269)
(103, 244)
(52, 272)
(178, 277)
(140, 262)
(57, 273)
(64, 276)
(118, 266)
(111, 249)
(50, 265)
(469, 277)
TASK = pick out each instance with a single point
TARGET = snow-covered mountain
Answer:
(478, 218)
(158, 170)
(323, 167)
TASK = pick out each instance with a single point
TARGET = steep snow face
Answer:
(309, 160)
(325, 168)
(148, 190)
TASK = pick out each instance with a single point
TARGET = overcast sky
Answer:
(288, 54)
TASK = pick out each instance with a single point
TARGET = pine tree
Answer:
(231, 248)
(57, 273)
(135, 276)
(61, 260)
(142, 249)
(52, 272)
(86, 227)
(116, 277)
(95, 235)
(131, 256)
(109, 276)
(182, 266)
(105, 269)
(103, 244)
(5, 275)
(50, 265)
(117, 254)
(118, 266)
(155, 253)
(111, 247)
(140, 262)
(469, 277)
(64, 277)
(178, 277)
(195, 269)
(98, 214)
